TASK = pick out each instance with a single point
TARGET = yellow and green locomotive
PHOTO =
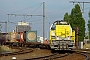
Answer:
(62, 37)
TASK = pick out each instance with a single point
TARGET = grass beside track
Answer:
(87, 46)
(4, 49)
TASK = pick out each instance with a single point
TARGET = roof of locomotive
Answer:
(60, 22)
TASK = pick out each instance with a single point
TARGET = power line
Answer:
(79, 3)
(37, 8)
(59, 10)
(27, 8)
(21, 15)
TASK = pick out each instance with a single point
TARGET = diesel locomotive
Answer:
(62, 37)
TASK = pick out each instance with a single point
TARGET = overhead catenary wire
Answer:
(47, 13)
(27, 8)
(10, 15)
(79, 4)
(25, 15)
(55, 11)
(61, 9)
(78, 13)
(36, 8)
(33, 12)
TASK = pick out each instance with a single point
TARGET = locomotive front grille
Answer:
(62, 44)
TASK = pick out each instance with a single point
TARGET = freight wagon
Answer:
(26, 39)
(2, 38)
(17, 38)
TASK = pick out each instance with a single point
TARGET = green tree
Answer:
(76, 20)
(89, 24)
(66, 17)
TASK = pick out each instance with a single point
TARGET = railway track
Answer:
(20, 51)
(86, 53)
(57, 56)
(49, 57)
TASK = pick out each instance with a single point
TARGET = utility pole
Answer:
(79, 3)
(76, 41)
(89, 25)
(43, 20)
(5, 26)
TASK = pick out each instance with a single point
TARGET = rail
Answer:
(20, 51)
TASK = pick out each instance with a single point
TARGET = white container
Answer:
(81, 45)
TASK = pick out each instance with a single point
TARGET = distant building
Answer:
(22, 26)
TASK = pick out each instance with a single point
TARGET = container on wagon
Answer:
(31, 36)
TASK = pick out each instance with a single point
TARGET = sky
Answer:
(54, 10)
